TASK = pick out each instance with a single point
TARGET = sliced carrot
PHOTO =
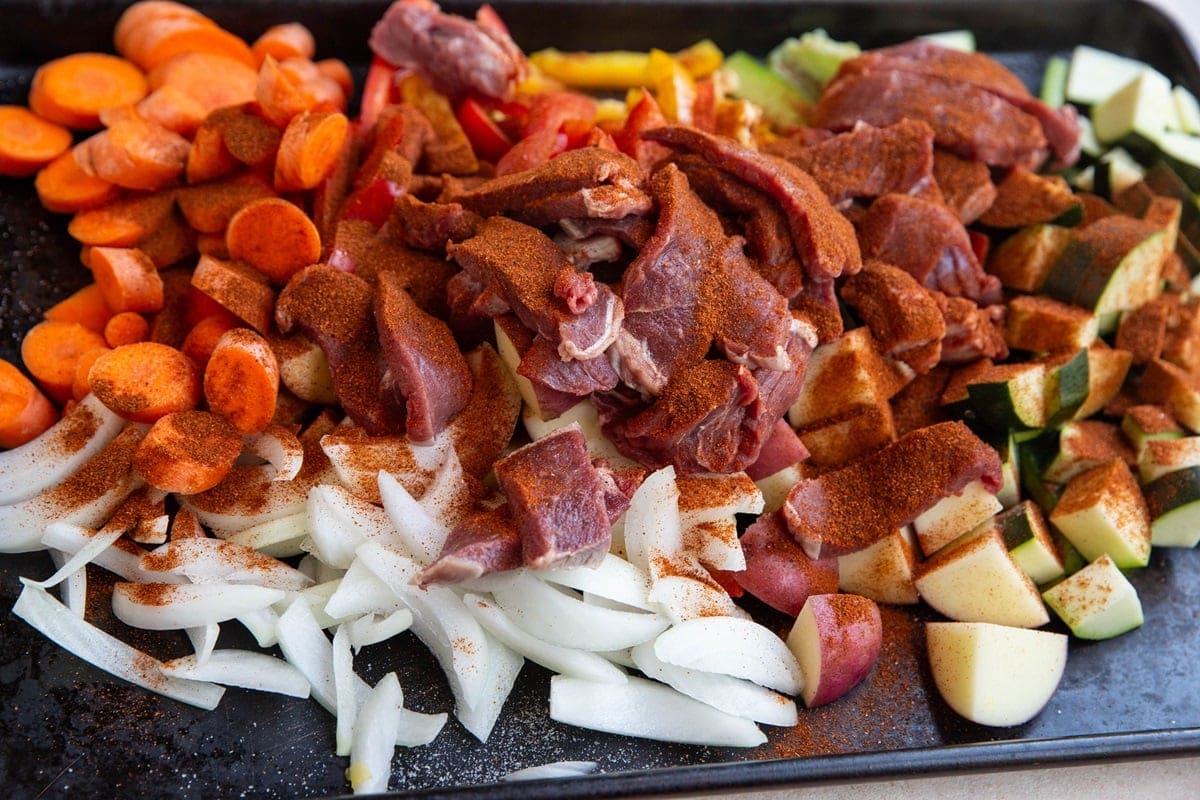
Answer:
(50, 351)
(310, 149)
(170, 243)
(64, 188)
(122, 223)
(212, 244)
(279, 94)
(239, 288)
(289, 40)
(187, 452)
(337, 71)
(145, 381)
(169, 326)
(86, 306)
(208, 207)
(80, 387)
(330, 194)
(127, 278)
(136, 154)
(275, 237)
(209, 158)
(248, 137)
(241, 381)
(127, 327)
(202, 339)
(74, 89)
(174, 109)
(146, 11)
(212, 80)
(159, 40)
(25, 413)
(28, 142)
(321, 92)
(199, 306)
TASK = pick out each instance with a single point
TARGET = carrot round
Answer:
(170, 243)
(172, 108)
(136, 154)
(146, 11)
(50, 351)
(74, 89)
(202, 339)
(64, 188)
(122, 223)
(159, 40)
(210, 79)
(127, 327)
(145, 381)
(289, 40)
(279, 94)
(80, 387)
(127, 278)
(337, 71)
(209, 206)
(187, 452)
(25, 412)
(28, 142)
(241, 381)
(86, 306)
(275, 237)
(310, 149)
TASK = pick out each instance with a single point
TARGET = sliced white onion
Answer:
(372, 629)
(652, 523)
(615, 578)
(724, 693)
(317, 598)
(56, 622)
(318, 570)
(357, 459)
(502, 669)
(649, 710)
(422, 534)
(305, 647)
(360, 592)
(443, 624)
(23, 523)
(568, 661)
(279, 447)
(73, 590)
(96, 543)
(121, 558)
(339, 522)
(258, 498)
(390, 564)
(710, 531)
(557, 769)
(245, 669)
(415, 729)
(170, 606)
(374, 737)
(280, 538)
(683, 597)
(37, 465)
(448, 497)
(263, 626)
(560, 619)
(344, 692)
(218, 561)
(203, 639)
(732, 646)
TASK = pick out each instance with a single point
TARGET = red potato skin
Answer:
(778, 571)
(850, 636)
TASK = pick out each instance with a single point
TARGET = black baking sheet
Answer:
(69, 730)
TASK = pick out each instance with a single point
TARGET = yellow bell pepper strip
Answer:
(619, 69)
(672, 85)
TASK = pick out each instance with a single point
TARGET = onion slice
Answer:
(245, 669)
(732, 646)
(649, 710)
(279, 447)
(374, 737)
(74, 588)
(168, 606)
(556, 769)
(56, 622)
(422, 534)
(216, 560)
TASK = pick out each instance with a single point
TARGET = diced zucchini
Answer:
(1027, 536)
(1054, 81)
(1137, 114)
(1007, 396)
(1042, 325)
(1032, 456)
(1159, 457)
(1096, 74)
(1026, 198)
(1144, 423)
(1009, 493)
(1174, 503)
(1107, 368)
(811, 59)
(1073, 560)
(1067, 385)
(1103, 511)
(782, 102)
(1182, 152)
(963, 40)
(1097, 602)
(1115, 171)
(1187, 109)
(1089, 146)
(1083, 444)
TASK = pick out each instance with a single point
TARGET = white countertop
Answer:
(1149, 778)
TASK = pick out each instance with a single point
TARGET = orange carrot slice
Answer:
(127, 327)
(86, 306)
(50, 351)
(80, 387)
(28, 142)
(310, 149)
(241, 380)
(275, 237)
(208, 207)
(289, 40)
(187, 452)
(123, 223)
(145, 381)
(74, 89)
(202, 339)
(136, 154)
(25, 412)
(127, 278)
(64, 188)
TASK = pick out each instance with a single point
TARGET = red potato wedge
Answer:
(836, 639)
